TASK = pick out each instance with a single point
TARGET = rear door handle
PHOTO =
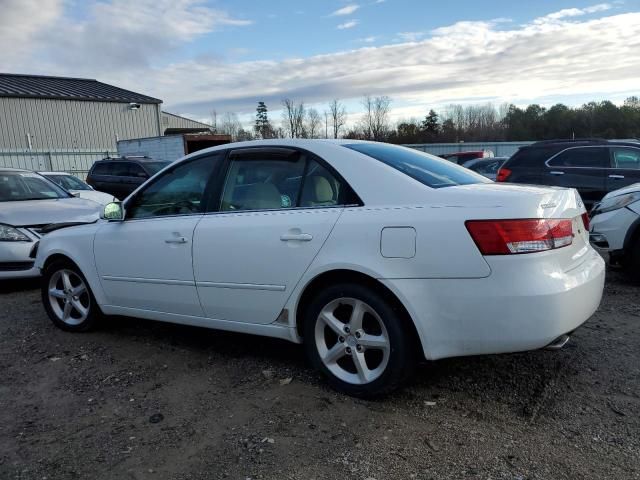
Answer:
(555, 172)
(301, 237)
(176, 240)
(616, 176)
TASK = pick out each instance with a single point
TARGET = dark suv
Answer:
(121, 176)
(593, 166)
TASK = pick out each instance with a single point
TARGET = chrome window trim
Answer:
(608, 147)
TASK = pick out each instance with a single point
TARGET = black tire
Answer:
(77, 322)
(402, 356)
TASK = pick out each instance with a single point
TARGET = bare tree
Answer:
(214, 121)
(338, 114)
(293, 117)
(376, 117)
(314, 121)
(230, 125)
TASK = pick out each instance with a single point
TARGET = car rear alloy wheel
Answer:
(358, 337)
(67, 297)
(352, 340)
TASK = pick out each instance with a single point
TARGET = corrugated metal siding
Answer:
(169, 148)
(71, 124)
(500, 149)
(175, 121)
(77, 162)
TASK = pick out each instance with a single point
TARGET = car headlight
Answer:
(615, 203)
(11, 234)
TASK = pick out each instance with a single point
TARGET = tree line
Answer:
(454, 123)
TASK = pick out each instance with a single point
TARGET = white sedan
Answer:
(78, 188)
(371, 255)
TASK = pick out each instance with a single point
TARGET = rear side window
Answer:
(135, 170)
(102, 169)
(588, 157)
(431, 171)
(626, 158)
(532, 157)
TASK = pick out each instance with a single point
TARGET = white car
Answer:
(615, 227)
(29, 205)
(78, 188)
(370, 254)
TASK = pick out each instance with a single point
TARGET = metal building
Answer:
(59, 123)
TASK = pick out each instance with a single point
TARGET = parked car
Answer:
(592, 166)
(29, 203)
(295, 239)
(462, 157)
(487, 167)
(121, 176)
(615, 227)
(77, 187)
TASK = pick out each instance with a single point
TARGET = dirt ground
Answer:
(145, 400)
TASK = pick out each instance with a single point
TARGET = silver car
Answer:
(29, 203)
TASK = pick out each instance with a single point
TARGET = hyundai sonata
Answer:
(371, 255)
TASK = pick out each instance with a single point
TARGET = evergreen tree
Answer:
(262, 126)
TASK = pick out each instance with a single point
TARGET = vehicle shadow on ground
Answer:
(19, 285)
(517, 381)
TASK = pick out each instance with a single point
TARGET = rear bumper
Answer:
(521, 306)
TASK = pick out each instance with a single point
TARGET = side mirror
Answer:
(114, 212)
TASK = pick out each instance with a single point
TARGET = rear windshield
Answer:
(154, 167)
(431, 171)
(68, 182)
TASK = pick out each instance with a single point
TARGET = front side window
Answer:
(155, 167)
(179, 191)
(588, 157)
(429, 170)
(134, 170)
(28, 186)
(626, 158)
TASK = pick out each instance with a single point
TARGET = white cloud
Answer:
(369, 39)
(562, 57)
(346, 10)
(349, 24)
(574, 12)
(411, 36)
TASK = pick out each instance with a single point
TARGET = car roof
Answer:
(581, 142)
(55, 173)
(14, 170)
(134, 158)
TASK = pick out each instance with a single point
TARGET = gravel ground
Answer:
(143, 400)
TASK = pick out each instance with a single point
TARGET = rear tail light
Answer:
(503, 174)
(506, 237)
(585, 220)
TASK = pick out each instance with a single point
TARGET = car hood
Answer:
(44, 212)
(100, 197)
(623, 191)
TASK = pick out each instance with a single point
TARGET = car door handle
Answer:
(176, 240)
(301, 237)
(555, 172)
(616, 176)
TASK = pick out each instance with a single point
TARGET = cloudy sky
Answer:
(198, 55)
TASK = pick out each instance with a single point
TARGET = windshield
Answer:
(17, 186)
(154, 167)
(431, 171)
(68, 182)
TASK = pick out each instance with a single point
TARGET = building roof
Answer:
(64, 88)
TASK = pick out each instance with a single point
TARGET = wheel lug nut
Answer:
(348, 350)
(347, 329)
(359, 347)
(341, 339)
(358, 334)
